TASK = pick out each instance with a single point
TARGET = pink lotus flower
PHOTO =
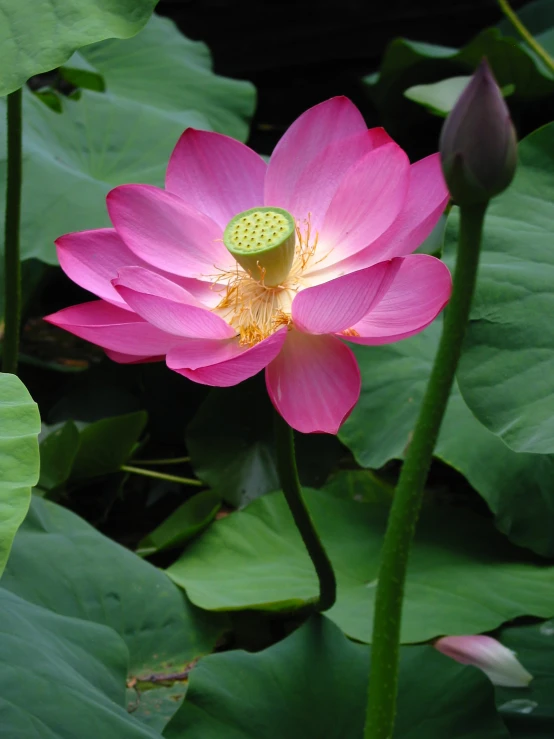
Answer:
(352, 210)
(497, 661)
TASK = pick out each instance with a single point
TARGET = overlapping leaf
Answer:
(313, 684)
(36, 37)
(463, 576)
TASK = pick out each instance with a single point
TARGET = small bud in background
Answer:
(478, 144)
(497, 661)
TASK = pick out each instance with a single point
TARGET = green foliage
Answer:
(122, 617)
(35, 38)
(19, 458)
(313, 684)
(506, 373)
(162, 69)
(529, 714)
(254, 558)
(231, 445)
(62, 677)
(93, 450)
(516, 486)
(184, 523)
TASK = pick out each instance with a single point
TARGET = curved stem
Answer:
(169, 460)
(539, 50)
(288, 476)
(12, 264)
(161, 476)
(409, 491)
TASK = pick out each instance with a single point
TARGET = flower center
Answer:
(262, 240)
(255, 307)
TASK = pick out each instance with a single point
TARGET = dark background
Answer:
(298, 54)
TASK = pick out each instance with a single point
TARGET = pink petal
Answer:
(306, 139)
(320, 179)
(419, 291)
(130, 358)
(224, 363)
(339, 304)
(168, 306)
(93, 259)
(314, 383)
(113, 328)
(497, 661)
(216, 175)
(426, 200)
(168, 234)
(368, 200)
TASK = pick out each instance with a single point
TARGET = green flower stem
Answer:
(161, 476)
(170, 460)
(288, 476)
(409, 491)
(539, 50)
(12, 264)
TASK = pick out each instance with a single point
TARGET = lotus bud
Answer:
(497, 661)
(478, 143)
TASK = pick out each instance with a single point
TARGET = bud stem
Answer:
(539, 50)
(407, 499)
(12, 262)
(288, 477)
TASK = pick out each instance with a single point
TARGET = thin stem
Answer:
(539, 50)
(409, 491)
(170, 460)
(12, 264)
(288, 476)
(161, 476)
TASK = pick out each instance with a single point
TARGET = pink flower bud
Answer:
(478, 143)
(497, 661)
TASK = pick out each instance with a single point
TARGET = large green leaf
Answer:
(36, 37)
(60, 562)
(62, 677)
(516, 486)
(162, 68)
(463, 576)
(506, 373)
(71, 161)
(313, 684)
(529, 713)
(19, 458)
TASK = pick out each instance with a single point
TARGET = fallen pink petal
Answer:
(497, 661)
(239, 266)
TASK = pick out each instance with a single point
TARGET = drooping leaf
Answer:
(506, 373)
(107, 444)
(189, 519)
(19, 458)
(58, 448)
(36, 37)
(516, 486)
(313, 684)
(254, 558)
